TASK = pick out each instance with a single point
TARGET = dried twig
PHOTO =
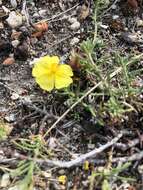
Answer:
(74, 162)
(131, 144)
(25, 12)
(58, 15)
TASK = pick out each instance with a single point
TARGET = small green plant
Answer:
(107, 176)
(23, 174)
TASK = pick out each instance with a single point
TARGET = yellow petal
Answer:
(62, 179)
(46, 82)
(45, 65)
(62, 81)
(64, 70)
(54, 59)
(40, 69)
(86, 165)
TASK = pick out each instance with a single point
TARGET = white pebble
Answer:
(113, 7)
(14, 96)
(139, 22)
(1, 25)
(15, 43)
(74, 41)
(42, 13)
(72, 20)
(14, 20)
(104, 26)
(75, 26)
(114, 17)
(13, 3)
(10, 118)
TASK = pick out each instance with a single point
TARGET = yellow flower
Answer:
(49, 73)
(86, 165)
(62, 179)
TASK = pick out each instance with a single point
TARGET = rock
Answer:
(114, 17)
(14, 20)
(15, 43)
(104, 26)
(61, 172)
(130, 38)
(139, 22)
(42, 13)
(14, 96)
(22, 52)
(74, 41)
(36, 15)
(0, 2)
(75, 26)
(91, 146)
(52, 143)
(72, 20)
(114, 7)
(1, 26)
(13, 3)
(10, 118)
(5, 180)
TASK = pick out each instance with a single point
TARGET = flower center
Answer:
(54, 68)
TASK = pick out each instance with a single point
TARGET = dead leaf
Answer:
(75, 61)
(5, 129)
(133, 4)
(41, 27)
(37, 34)
(15, 35)
(84, 12)
(117, 25)
(9, 61)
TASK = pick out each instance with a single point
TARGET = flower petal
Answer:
(54, 59)
(45, 65)
(46, 82)
(62, 81)
(64, 70)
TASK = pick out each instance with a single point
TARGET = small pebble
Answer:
(104, 26)
(10, 118)
(1, 26)
(15, 43)
(5, 180)
(74, 41)
(139, 22)
(140, 169)
(72, 20)
(14, 96)
(61, 172)
(13, 3)
(14, 20)
(114, 7)
(36, 15)
(91, 146)
(75, 26)
(114, 17)
(42, 13)
(52, 142)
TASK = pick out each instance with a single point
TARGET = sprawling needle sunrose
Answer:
(49, 73)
